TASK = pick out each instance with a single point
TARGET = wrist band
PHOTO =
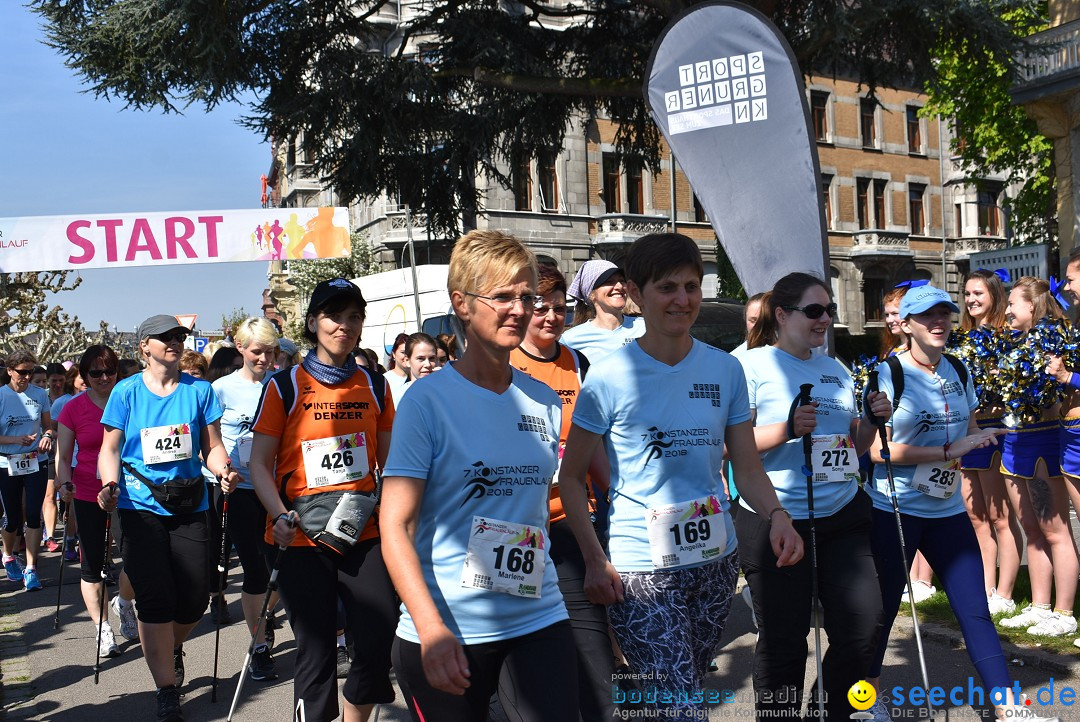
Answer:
(283, 515)
(779, 508)
(945, 449)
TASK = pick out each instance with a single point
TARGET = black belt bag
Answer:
(335, 519)
(177, 496)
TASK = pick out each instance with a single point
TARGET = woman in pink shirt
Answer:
(79, 436)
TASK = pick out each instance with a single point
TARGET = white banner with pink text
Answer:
(117, 240)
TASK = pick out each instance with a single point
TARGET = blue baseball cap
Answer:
(923, 298)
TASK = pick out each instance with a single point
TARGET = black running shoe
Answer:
(219, 611)
(168, 704)
(178, 665)
(268, 634)
(343, 663)
(262, 665)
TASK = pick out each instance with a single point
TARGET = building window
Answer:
(959, 217)
(549, 181)
(290, 154)
(522, 186)
(914, 130)
(989, 214)
(819, 106)
(873, 292)
(870, 202)
(700, 216)
(635, 188)
(916, 214)
(826, 198)
(611, 184)
(867, 122)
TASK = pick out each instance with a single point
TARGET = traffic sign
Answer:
(187, 320)
(200, 343)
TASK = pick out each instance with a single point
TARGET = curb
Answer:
(1014, 655)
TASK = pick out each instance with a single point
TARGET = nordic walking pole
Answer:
(60, 577)
(261, 621)
(804, 399)
(223, 571)
(101, 604)
(872, 385)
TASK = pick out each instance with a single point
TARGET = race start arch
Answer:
(118, 240)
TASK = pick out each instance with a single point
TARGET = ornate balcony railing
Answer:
(1051, 55)
(881, 243)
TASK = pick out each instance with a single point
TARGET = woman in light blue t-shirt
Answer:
(664, 407)
(465, 511)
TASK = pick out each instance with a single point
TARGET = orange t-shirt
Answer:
(317, 411)
(562, 374)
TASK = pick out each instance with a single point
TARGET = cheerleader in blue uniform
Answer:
(1030, 461)
(986, 497)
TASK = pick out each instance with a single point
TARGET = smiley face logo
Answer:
(861, 696)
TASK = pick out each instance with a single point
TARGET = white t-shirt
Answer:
(239, 398)
(483, 456)
(773, 378)
(396, 384)
(596, 342)
(663, 428)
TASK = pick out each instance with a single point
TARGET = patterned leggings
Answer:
(669, 625)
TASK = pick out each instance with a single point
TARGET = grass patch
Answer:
(937, 609)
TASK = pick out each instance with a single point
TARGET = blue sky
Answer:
(67, 152)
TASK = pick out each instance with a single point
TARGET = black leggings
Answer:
(535, 675)
(12, 490)
(165, 559)
(311, 581)
(850, 598)
(589, 622)
(247, 524)
(91, 521)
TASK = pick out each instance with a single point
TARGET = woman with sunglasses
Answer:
(600, 323)
(24, 416)
(931, 428)
(158, 426)
(465, 510)
(78, 442)
(794, 321)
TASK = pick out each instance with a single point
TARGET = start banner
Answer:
(117, 240)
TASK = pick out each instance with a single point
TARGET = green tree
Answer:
(419, 104)
(994, 136)
(229, 321)
(306, 274)
(28, 322)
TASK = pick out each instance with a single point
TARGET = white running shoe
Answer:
(108, 647)
(1028, 616)
(999, 604)
(129, 626)
(881, 712)
(922, 590)
(1056, 625)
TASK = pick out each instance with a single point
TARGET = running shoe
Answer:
(71, 552)
(268, 634)
(343, 663)
(1056, 625)
(168, 704)
(999, 604)
(50, 545)
(129, 626)
(922, 591)
(1028, 616)
(881, 711)
(14, 570)
(108, 647)
(30, 580)
(262, 665)
(178, 665)
(219, 611)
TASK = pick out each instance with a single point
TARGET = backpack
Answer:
(897, 370)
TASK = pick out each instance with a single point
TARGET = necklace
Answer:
(932, 368)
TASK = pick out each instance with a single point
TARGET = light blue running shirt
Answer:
(663, 429)
(773, 378)
(133, 407)
(239, 398)
(21, 414)
(482, 455)
(920, 421)
(596, 342)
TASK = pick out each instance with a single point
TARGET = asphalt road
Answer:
(48, 675)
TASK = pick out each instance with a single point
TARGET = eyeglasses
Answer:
(505, 302)
(171, 336)
(541, 310)
(23, 372)
(814, 310)
(98, 373)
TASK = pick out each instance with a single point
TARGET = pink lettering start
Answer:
(177, 233)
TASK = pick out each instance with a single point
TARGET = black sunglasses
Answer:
(98, 373)
(171, 336)
(814, 310)
(23, 372)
